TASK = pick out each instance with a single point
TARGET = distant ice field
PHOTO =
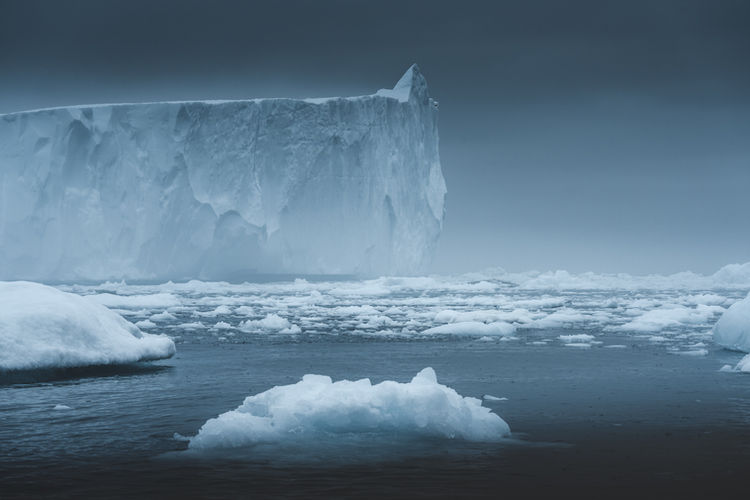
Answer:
(676, 312)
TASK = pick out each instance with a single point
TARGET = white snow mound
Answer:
(733, 328)
(43, 327)
(317, 408)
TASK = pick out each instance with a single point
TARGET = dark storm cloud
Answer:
(582, 134)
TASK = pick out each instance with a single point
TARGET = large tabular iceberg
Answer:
(316, 409)
(42, 327)
(213, 189)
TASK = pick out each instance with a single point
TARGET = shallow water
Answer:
(654, 412)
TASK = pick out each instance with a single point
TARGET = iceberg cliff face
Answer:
(217, 189)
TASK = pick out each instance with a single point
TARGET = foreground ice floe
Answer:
(318, 409)
(43, 327)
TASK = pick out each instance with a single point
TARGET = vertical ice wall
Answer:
(220, 189)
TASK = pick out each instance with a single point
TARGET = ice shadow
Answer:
(46, 375)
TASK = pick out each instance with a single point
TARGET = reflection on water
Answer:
(48, 375)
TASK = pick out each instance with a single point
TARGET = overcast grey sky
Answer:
(580, 135)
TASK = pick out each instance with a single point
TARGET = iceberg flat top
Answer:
(411, 83)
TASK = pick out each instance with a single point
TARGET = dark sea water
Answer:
(653, 415)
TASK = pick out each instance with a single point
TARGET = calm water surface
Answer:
(655, 415)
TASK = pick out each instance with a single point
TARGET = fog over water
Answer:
(603, 136)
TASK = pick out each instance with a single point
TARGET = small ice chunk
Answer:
(490, 397)
(163, 316)
(244, 311)
(733, 328)
(580, 337)
(179, 437)
(498, 328)
(744, 364)
(272, 323)
(692, 352)
(221, 310)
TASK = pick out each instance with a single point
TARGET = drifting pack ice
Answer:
(214, 189)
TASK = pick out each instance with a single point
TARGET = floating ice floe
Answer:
(498, 328)
(733, 331)
(318, 409)
(578, 337)
(42, 327)
(661, 318)
(744, 364)
(272, 323)
(733, 328)
(490, 397)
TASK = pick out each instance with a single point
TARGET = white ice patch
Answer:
(221, 310)
(146, 323)
(42, 327)
(579, 337)
(490, 397)
(498, 328)
(744, 364)
(733, 328)
(163, 316)
(317, 410)
(272, 323)
(668, 317)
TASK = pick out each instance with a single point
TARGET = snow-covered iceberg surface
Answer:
(319, 410)
(217, 189)
(733, 328)
(42, 327)
(733, 331)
